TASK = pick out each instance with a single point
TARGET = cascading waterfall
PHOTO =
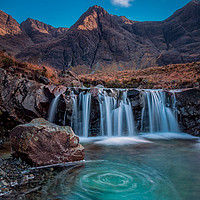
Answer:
(116, 115)
(156, 115)
(74, 118)
(85, 101)
(53, 109)
(81, 113)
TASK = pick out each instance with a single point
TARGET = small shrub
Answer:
(8, 62)
(44, 71)
(53, 76)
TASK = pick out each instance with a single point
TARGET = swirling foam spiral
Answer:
(117, 181)
(112, 181)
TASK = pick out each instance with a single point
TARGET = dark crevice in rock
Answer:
(100, 38)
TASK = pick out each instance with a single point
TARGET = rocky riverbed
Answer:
(18, 180)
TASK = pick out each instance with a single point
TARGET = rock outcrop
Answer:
(188, 106)
(22, 100)
(99, 40)
(43, 143)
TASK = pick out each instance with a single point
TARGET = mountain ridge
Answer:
(99, 40)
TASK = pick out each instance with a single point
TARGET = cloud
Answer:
(122, 3)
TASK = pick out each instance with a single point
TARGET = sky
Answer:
(64, 13)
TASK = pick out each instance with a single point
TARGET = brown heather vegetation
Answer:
(36, 72)
(27, 70)
(172, 76)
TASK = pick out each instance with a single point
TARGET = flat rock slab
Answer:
(43, 143)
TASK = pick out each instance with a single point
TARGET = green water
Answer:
(160, 170)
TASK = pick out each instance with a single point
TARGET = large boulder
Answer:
(43, 143)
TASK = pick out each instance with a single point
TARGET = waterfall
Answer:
(74, 118)
(81, 113)
(85, 100)
(156, 115)
(116, 114)
(53, 109)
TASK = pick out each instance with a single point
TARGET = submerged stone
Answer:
(43, 143)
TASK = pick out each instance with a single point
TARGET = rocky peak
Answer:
(91, 18)
(8, 25)
(40, 32)
(37, 25)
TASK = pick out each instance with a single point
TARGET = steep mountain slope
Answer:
(99, 40)
(177, 38)
(15, 37)
(12, 38)
(40, 32)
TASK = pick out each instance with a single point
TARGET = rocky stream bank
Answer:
(22, 100)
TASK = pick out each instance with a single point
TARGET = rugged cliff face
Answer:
(99, 40)
(40, 32)
(12, 38)
(22, 100)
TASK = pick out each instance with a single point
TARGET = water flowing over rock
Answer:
(53, 108)
(44, 143)
(116, 114)
(22, 100)
(154, 111)
(102, 112)
(156, 116)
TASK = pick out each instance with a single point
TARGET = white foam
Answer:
(197, 145)
(119, 141)
(167, 136)
(91, 139)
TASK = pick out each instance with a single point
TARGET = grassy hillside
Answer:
(170, 77)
